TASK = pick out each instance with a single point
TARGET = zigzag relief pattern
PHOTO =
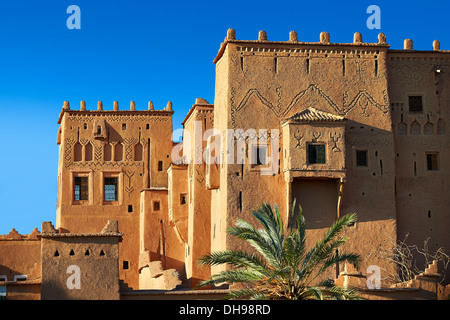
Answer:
(260, 97)
(68, 158)
(312, 88)
(129, 147)
(108, 165)
(244, 101)
(362, 100)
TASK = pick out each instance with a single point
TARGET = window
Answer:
(361, 158)
(259, 155)
(126, 265)
(432, 161)
(111, 192)
(316, 154)
(183, 198)
(81, 189)
(156, 206)
(160, 166)
(124, 126)
(99, 130)
(20, 277)
(415, 104)
(130, 208)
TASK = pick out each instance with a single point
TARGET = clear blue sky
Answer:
(141, 51)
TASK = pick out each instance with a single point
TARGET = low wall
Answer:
(173, 295)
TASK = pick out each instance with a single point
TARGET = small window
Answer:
(361, 158)
(111, 192)
(3, 278)
(130, 208)
(183, 198)
(260, 155)
(126, 265)
(415, 104)
(432, 161)
(99, 130)
(72, 253)
(147, 126)
(156, 206)
(20, 277)
(81, 189)
(85, 126)
(102, 253)
(316, 154)
(124, 126)
(160, 166)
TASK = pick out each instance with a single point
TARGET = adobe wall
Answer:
(199, 120)
(20, 255)
(112, 143)
(80, 266)
(269, 81)
(160, 240)
(422, 194)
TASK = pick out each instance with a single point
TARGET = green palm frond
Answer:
(281, 267)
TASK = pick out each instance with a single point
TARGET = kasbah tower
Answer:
(346, 128)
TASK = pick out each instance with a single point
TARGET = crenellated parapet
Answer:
(324, 39)
(100, 110)
(15, 235)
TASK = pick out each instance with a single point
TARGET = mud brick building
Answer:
(337, 127)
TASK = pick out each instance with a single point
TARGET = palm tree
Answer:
(281, 267)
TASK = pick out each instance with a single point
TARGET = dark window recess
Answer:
(160, 166)
(71, 253)
(147, 126)
(316, 153)
(126, 265)
(130, 208)
(81, 190)
(99, 130)
(124, 126)
(240, 201)
(102, 253)
(87, 253)
(361, 158)
(183, 198)
(415, 104)
(432, 161)
(56, 253)
(156, 206)
(260, 154)
(111, 192)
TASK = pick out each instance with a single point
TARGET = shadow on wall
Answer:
(7, 274)
(51, 290)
